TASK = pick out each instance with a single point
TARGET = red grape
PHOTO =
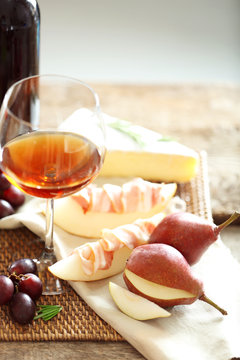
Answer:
(23, 266)
(14, 196)
(5, 209)
(22, 308)
(6, 289)
(31, 284)
(4, 183)
(11, 197)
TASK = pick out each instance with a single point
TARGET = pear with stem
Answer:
(189, 233)
(161, 274)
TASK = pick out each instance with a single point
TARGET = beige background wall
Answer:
(148, 41)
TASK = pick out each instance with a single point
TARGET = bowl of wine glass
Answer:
(52, 144)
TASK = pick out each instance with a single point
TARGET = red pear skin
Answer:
(188, 233)
(165, 265)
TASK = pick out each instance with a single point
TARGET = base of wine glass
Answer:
(51, 284)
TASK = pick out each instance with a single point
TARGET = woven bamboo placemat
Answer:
(77, 321)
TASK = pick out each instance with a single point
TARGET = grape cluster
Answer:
(10, 197)
(20, 289)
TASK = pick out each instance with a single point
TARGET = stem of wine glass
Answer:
(51, 285)
(49, 224)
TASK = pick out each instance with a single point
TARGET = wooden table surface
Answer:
(203, 117)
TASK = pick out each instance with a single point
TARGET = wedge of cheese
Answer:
(137, 151)
(95, 208)
(108, 255)
(134, 151)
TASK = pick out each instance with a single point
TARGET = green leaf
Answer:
(47, 312)
(127, 128)
(165, 138)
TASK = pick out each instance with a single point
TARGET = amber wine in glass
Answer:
(52, 145)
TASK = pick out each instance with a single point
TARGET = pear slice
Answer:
(156, 291)
(134, 305)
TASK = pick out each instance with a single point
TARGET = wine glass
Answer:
(51, 145)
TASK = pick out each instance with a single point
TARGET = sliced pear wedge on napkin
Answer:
(134, 305)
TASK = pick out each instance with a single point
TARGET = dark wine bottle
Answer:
(19, 41)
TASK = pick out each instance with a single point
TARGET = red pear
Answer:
(161, 274)
(188, 233)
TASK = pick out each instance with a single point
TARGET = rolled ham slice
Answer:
(94, 208)
(133, 196)
(108, 255)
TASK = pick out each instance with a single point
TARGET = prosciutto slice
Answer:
(136, 195)
(98, 255)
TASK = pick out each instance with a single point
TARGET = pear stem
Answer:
(233, 217)
(210, 302)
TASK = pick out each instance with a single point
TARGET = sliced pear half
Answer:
(156, 291)
(134, 305)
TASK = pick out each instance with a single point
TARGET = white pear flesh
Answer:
(68, 215)
(154, 290)
(70, 268)
(135, 306)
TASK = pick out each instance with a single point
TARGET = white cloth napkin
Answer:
(195, 331)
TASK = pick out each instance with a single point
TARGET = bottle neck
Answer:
(19, 41)
(15, 14)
